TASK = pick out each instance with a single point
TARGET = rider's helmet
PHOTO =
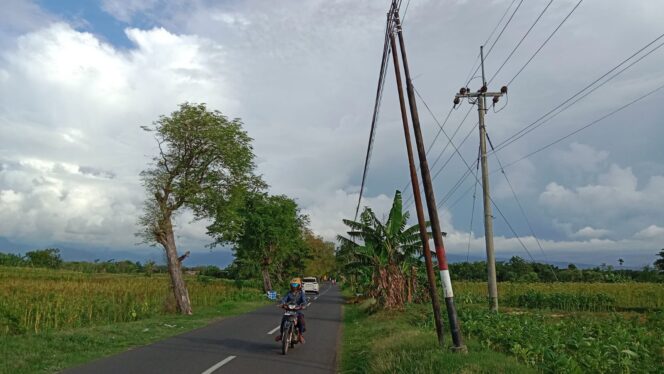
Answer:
(296, 284)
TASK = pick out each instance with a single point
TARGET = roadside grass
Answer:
(52, 351)
(389, 342)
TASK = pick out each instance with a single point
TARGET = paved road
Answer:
(241, 344)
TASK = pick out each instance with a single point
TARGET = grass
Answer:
(390, 342)
(52, 351)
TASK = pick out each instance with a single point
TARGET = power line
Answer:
(586, 126)
(471, 72)
(496, 40)
(535, 124)
(521, 41)
(545, 41)
(379, 96)
(456, 149)
(518, 202)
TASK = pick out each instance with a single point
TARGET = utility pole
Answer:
(480, 97)
(457, 339)
(435, 302)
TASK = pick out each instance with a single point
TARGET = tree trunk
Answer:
(175, 269)
(267, 282)
(411, 285)
(391, 287)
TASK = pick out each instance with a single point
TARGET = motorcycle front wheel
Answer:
(285, 338)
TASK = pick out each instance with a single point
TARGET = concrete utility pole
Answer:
(457, 339)
(435, 302)
(480, 97)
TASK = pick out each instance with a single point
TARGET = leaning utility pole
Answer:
(435, 302)
(457, 339)
(488, 216)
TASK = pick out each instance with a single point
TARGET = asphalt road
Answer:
(241, 344)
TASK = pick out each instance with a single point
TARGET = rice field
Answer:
(38, 300)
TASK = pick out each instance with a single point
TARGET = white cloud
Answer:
(591, 233)
(71, 173)
(651, 232)
(302, 76)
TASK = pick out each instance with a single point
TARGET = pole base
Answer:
(460, 349)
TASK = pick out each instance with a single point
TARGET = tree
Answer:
(45, 258)
(205, 164)
(321, 261)
(271, 239)
(659, 263)
(380, 249)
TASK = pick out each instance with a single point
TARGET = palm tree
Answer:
(386, 251)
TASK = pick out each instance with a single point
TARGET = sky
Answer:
(78, 78)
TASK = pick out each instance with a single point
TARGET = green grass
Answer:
(52, 351)
(390, 342)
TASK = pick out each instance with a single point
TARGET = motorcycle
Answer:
(289, 335)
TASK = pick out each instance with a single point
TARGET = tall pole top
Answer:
(482, 59)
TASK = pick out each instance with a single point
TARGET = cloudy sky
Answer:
(78, 78)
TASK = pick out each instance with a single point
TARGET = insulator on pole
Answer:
(456, 101)
(483, 89)
(462, 91)
(495, 99)
(503, 90)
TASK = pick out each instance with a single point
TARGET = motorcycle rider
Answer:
(295, 296)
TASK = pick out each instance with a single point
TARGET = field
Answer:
(553, 328)
(51, 319)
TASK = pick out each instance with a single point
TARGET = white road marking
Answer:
(218, 365)
(274, 330)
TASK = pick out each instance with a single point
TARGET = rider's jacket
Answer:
(297, 297)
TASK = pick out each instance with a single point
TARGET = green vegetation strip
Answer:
(52, 351)
(393, 342)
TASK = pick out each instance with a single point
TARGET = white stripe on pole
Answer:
(447, 283)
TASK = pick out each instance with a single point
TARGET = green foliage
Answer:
(377, 257)
(205, 164)
(405, 342)
(659, 263)
(10, 259)
(573, 344)
(44, 258)
(271, 238)
(519, 270)
(321, 261)
(598, 302)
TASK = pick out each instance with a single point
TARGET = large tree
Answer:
(271, 239)
(205, 163)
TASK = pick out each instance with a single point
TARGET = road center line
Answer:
(219, 364)
(274, 330)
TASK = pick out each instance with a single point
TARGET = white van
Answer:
(310, 284)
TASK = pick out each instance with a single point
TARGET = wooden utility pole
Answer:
(480, 97)
(457, 339)
(435, 302)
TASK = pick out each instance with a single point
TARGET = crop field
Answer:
(548, 327)
(570, 327)
(568, 296)
(38, 300)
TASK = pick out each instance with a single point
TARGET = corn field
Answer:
(37, 300)
(568, 296)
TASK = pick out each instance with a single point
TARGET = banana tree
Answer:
(386, 250)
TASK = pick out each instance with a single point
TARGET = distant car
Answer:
(310, 284)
